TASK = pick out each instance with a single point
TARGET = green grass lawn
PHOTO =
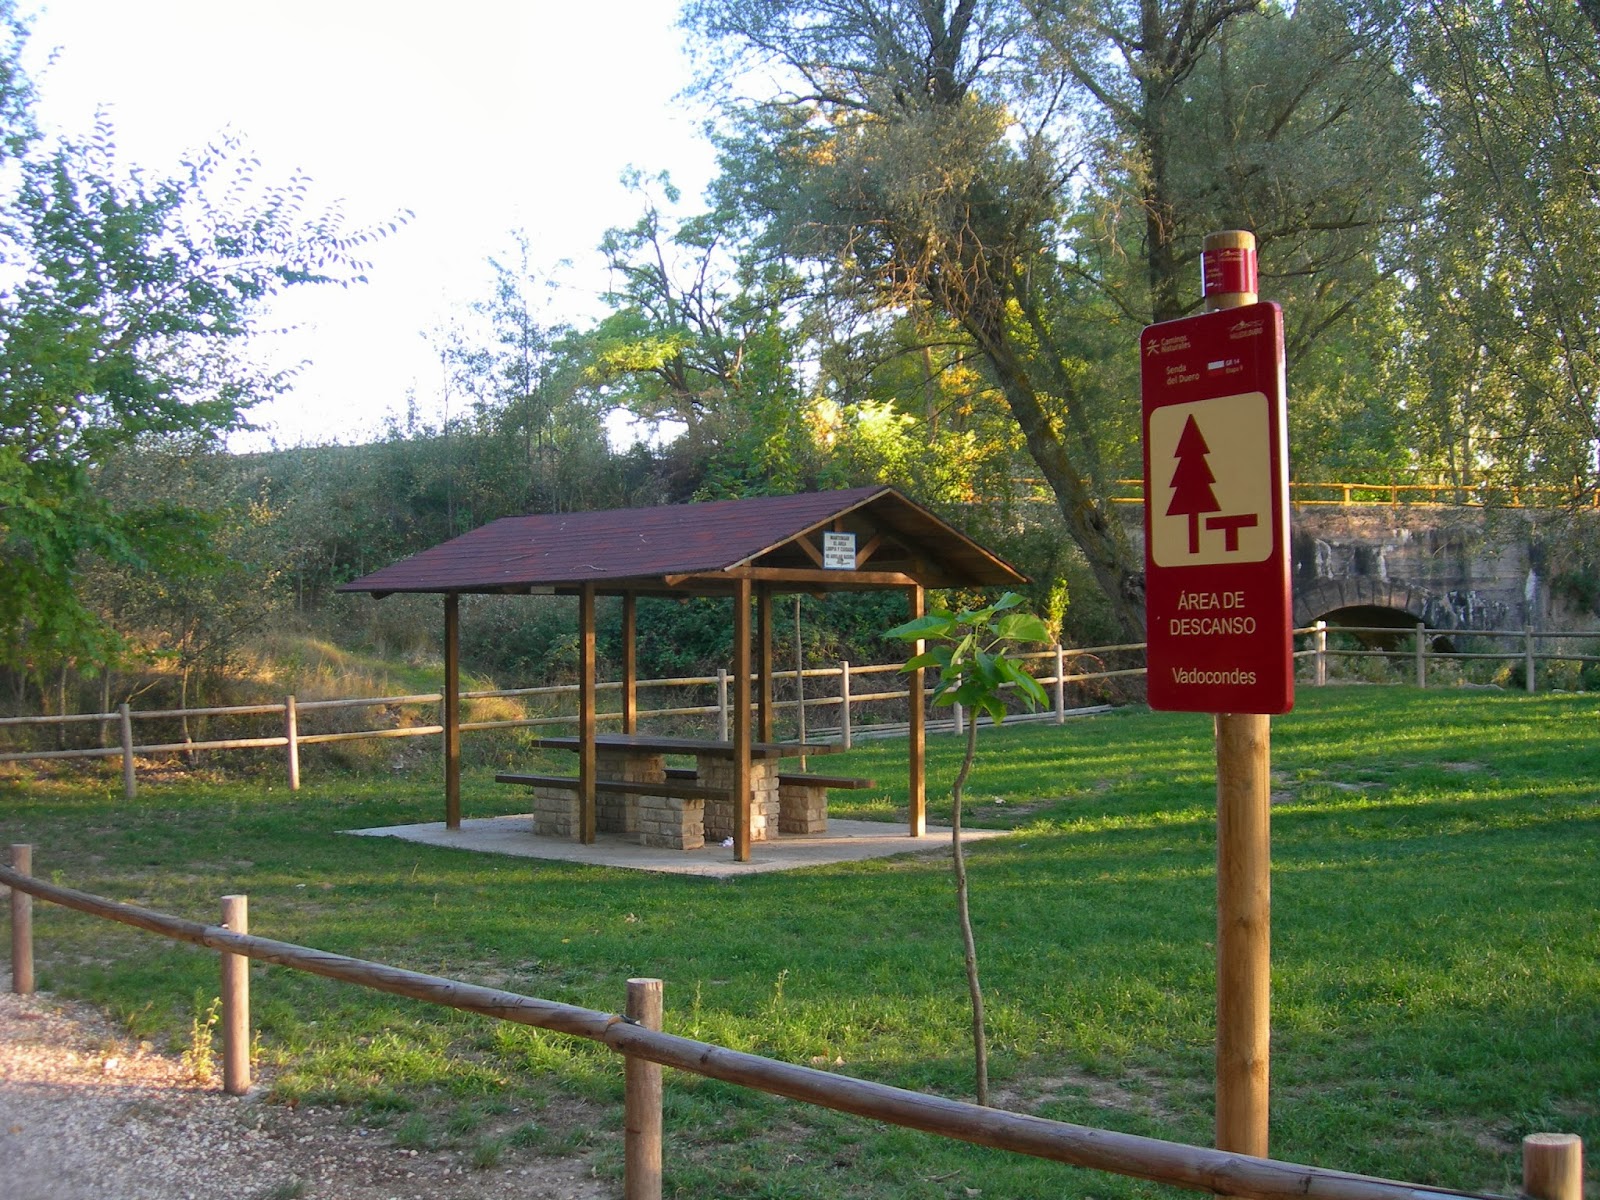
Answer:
(1436, 950)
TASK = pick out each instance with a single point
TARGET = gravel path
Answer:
(87, 1114)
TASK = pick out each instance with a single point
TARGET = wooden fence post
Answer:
(22, 923)
(1321, 660)
(1061, 685)
(291, 733)
(1527, 656)
(844, 703)
(235, 1001)
(1552, 1166)
(957, 721)
(1422, 656)
(130, 782)
(642, 1125)
(722, 704)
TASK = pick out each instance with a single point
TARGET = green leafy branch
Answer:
(972, 669)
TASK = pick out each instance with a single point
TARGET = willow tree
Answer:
(700, 341)
(1505, 364)
(1036, 174)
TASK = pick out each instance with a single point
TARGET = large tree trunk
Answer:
(1591, 9)
(1159, 223)
(1159, 217)
(1083, 506)
(1086, 514)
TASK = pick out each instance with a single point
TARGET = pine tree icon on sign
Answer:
(1191, 482)
(1192, 495)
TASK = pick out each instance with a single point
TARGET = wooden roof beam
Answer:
(795, 575)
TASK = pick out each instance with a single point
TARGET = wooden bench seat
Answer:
(669, 813)
(680, 782)
(675, 786)
(826, 781)
(844, 783)
(803, 799)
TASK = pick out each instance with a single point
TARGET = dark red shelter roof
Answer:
(702, 547)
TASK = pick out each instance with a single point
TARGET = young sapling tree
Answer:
(967, 649)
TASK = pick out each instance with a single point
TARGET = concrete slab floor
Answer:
(845, 841)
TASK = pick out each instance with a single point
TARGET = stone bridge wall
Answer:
(1452, 568)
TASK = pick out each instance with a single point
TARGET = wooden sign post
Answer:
(1244, 840)
(1219, 631)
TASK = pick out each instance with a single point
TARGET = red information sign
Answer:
(1217, 607)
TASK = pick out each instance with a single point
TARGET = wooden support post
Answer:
(958, 720)
(917, 731)
(1061, 685)
(22, 923)
(1320, 640)
(741, 720)
(1244, 875)
(1422, 655)
(1527, 657)
(844, 703)
(799, 682)
(630, 663)
(1552, 1166)
(1244, 929)
(722, 704)
(641, 1106)
(235, 1001)
(452, 711)
(588, 767)
(130, 781)
(764, 705)
(291, 734)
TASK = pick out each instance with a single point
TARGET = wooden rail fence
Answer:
(854, 686)
(1059, 669)
(1552, 1163)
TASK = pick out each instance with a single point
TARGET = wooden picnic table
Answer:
(651, 743)
(638, 794)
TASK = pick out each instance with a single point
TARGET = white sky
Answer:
(481, 116)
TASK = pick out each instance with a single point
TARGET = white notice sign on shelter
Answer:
(839, 551)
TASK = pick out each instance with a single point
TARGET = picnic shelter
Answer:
(749, 550)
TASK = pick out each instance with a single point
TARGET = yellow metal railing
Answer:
(1442, 495)
(1393, 495)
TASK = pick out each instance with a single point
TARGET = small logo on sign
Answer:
(1167, 345)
